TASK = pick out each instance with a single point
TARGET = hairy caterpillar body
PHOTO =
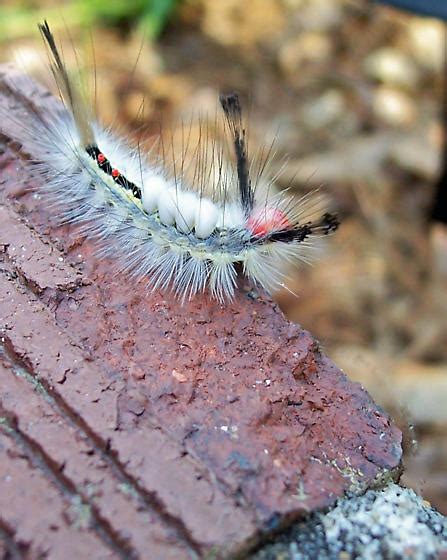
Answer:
(161, 229)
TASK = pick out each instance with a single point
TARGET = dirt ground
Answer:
(352, 93)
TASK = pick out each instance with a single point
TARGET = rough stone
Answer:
(392, 523)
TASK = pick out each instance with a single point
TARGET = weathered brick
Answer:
(31, 258)
(90, 395)
(77, 460)
(37, 514)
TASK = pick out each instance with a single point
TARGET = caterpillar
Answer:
(156, 225)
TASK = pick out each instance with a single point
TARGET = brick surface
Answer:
(189, 430)
(59, 528)
(75, 459)
(32, 258)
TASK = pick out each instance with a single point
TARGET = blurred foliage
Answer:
(151, 16)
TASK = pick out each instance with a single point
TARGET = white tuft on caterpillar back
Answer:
(159, 228)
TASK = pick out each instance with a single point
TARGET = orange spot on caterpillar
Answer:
(115, 173)
(265, 220)
(101, 158)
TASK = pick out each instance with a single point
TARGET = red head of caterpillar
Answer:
(263, 221)
(163, 229)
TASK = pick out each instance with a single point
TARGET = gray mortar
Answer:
(392, 523)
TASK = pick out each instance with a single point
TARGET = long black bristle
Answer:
(325, 225)
(232, 109)
(69, 93)
(48, 37)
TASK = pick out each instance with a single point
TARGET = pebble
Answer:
(324, 110)
(393, 67)
(306, 47)
(394, 107)
(426, 41)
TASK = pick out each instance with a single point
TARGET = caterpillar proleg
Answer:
(163, 228)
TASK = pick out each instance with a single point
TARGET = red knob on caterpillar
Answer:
(265, 220)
